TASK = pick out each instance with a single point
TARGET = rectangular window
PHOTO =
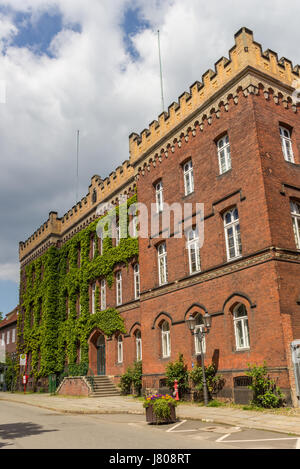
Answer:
(7, 337)
(120, 349)
(93, 247)
(162, 264)
(295, 210)
(136, 281)
(3, 339)
(188, 173)
(166, 342)
(93, 298)
(13, 336)
(286, 142)
(159, 197)
(232, 234)
(119, 288)
(193, 251)
(198, 342)
(118, 234)
(103, 295)
(224, 154)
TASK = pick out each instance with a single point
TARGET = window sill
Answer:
(241, 350)
(224, 174)
(292, 163)
(188, 196)
(234, 259)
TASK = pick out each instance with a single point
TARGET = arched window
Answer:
(138, 343)
(165, 338)
(198, 343)
(120, 349)
(194, 251)
(241, 327)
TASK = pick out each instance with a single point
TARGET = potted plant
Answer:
(160, 409)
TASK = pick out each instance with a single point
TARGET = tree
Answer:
(1, 316)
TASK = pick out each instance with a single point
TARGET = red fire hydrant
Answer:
(176, 394)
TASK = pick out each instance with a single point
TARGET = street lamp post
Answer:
(191, 322)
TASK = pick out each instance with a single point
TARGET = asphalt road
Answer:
(26, 427)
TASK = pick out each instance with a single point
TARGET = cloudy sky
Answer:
(93, 65)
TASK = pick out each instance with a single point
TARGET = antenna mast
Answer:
(77, 170)
(161, 77)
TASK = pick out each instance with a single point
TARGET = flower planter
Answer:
(152, 418)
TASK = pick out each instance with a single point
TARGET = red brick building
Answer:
(8, 340)
(233, 144)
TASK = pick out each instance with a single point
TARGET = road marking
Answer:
(180, 431)
(253, 441)
(222, 438)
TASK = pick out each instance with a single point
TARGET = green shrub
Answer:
(265, 392)
(132, 378)
(178, 370)
(215, 403)
(10, 374)
(214, 382)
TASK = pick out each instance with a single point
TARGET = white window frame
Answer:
(233, 225)
(199, 326)
(103, 294)
(162, 264)
(224, 155)
(93, 298)
(244, 329)
(7, 337)
(166, 340)
(134, 226)
(119, 288)
(295, 212)
(193, 251)
(13, 336)
(188, 174)
(136, 273)
(93, 246)
(120, 349)
(287, 144)
(138, 343)
(118, 234)
(159, 197)
(3, 339)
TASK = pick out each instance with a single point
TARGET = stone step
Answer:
(103, 387)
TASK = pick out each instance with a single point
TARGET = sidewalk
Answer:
(128, 405)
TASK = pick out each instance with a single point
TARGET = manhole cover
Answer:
(219, 429)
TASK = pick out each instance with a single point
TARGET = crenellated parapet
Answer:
(55, 229)
(245, 54)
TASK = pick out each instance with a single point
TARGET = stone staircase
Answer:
(103, 387)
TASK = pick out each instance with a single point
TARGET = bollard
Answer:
(176, 390)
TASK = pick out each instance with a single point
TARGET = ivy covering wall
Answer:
(52, 334)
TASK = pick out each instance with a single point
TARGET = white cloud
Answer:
(9, 271)
(92, 84)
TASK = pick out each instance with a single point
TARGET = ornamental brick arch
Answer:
(230, 305)
(93, 342)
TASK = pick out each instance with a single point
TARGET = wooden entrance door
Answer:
(101, 368)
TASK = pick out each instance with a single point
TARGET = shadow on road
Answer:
(12, 431)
